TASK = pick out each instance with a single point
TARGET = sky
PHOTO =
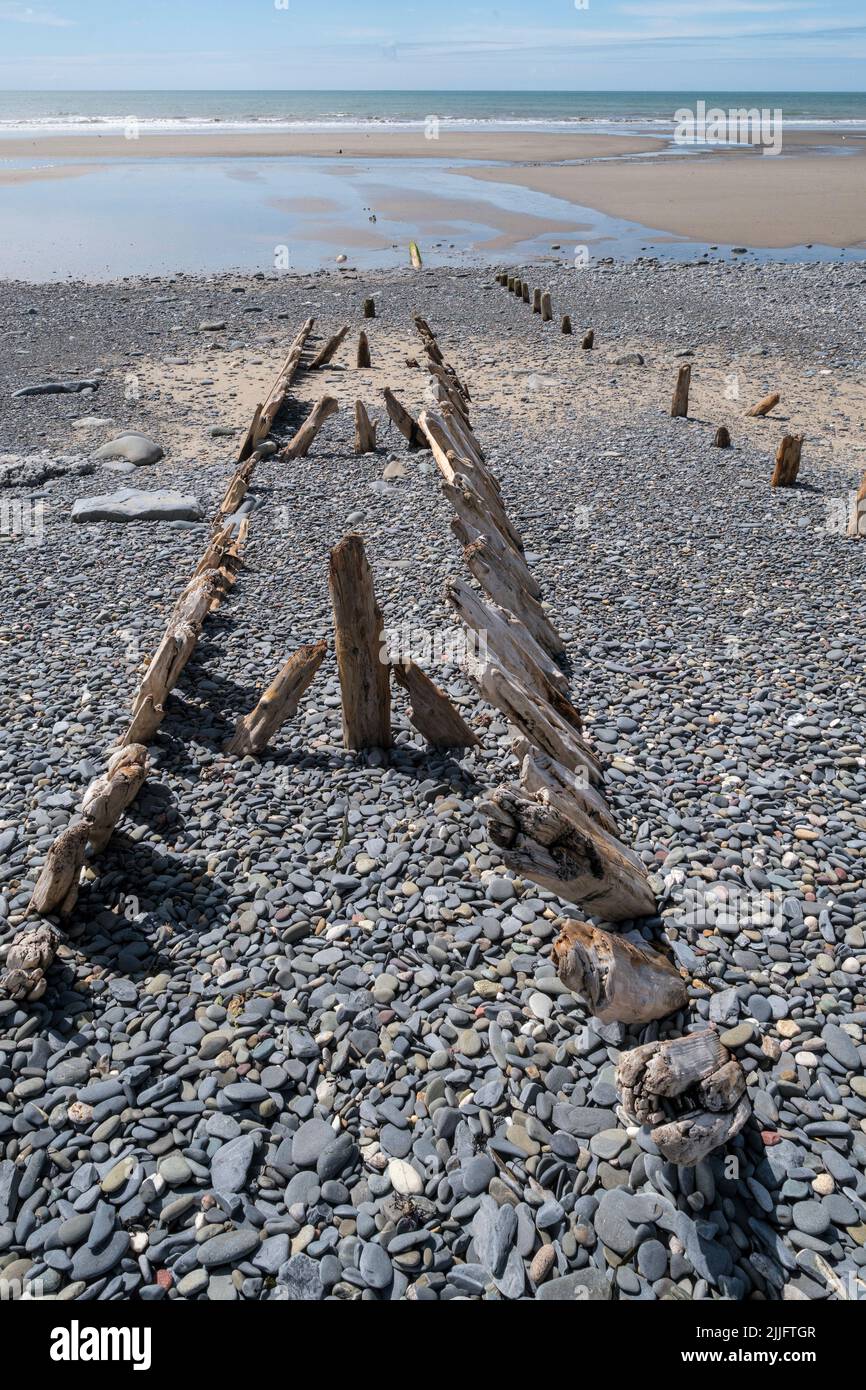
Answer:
(571, 45)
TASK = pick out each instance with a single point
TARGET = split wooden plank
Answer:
(300, 444)
(513, 647)
(680, 402)
(569, 855)
(431, 711)
(364, 682)
(327, 352)
(365, 430)
(279, 703)
(554, 785)
(266, 414)
(405, 423)
(541, 725)
(498, 582)
(619, 981)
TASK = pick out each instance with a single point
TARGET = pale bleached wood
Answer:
(619, 982)
(690, 1090)
(328, 350)
(469, 525)
(509, 642)
(267, 413)
(56, 887)
(680, 402)
(108, 796)
(300, 444)
(28, 957)
(479, 498)
(236, 490)
(568, 855)
(766, 405)
(497, 581)
(787, 461)
(543, 778)
(279, 703)
(365, 430)
(538, 721)
(364, 674)
(405, 423)
(431, 711)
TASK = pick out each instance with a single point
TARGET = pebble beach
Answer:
(304, 1038)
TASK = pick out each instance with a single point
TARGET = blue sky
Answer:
(552, 44)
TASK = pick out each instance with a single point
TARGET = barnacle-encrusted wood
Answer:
(620, 982)
(690, 1090)
(27, 959)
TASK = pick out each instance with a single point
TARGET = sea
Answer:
(323, 110)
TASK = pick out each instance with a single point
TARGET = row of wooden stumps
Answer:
(542, 303)
(787, 464)
(33, 949)
(555, 826)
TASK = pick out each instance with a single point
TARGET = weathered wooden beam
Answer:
(431, 711)
(365, 430)
(300, 444)
(766, 405)
(620, 982)
(566, 324)
(328, 350)
(267, 413)
(540, 723)
(680, 402)
(857, 519)
(690, 1090)
(498, 582)
(546, 307)
(369, 308)
(787, 461)
(364, 683)
(279, 703)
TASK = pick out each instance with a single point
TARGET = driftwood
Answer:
(469, 485)
(415, 255)
(327, 351)
(498, 582)
(620, 982)
(279, 702)
(680, 402)
(566, 324)
(549, 782)
(236, 490)
(690, 1089)
(431, 711)
(787, 461)
(300, 444)
(857, 520)
(108, 797)
(546, 307)
(722, 438)
(57, 885)
(569, 855)
(513, 647)
(364, 684)
(369, 308)
(30, 954)
(266, 414)
(171, 656)
(365, 430)
(588, 340)
(405, 423)
(539, 723)
(363, 358)
(766, 405)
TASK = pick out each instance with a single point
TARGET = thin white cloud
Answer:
(25, 14)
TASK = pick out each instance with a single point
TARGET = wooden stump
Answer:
(431, 711)
(787, 461)
(363, 359)
(620, 982)
(108, 797)
(28, 957)
(857, 522)
(722, 439)
(524, 289)
(766, 405)
(569, 855)
(680, 402)
(588, 340)
(279, 702)
(689, 1089)
(369, 308)
(364, 684)
(405, 423)
(536, 301)
(326, 353)
(300, 444)
(546, 307)
(566, 324)
(365, 430)
(57, 885)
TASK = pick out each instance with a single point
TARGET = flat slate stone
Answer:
(135, 504)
